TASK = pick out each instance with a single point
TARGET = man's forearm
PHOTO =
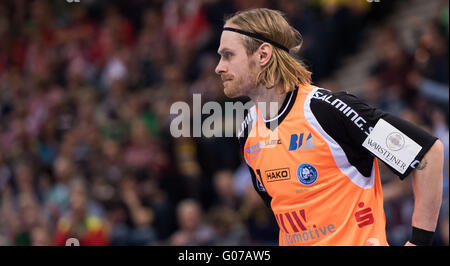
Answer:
(427, 187)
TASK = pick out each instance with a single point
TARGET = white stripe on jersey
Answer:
(338, 153)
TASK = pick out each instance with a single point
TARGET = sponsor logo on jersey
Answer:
(395, 141)
(281, 174)
(269, 143)
(364, 216)
(392, 146)
(253, 149)
(387, 156)
(295, 228)
(307, 174)
(349, 112)
(296, 142)
(262, 144)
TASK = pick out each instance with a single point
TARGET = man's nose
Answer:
(220, 68)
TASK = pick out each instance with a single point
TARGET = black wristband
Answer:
(420, 237)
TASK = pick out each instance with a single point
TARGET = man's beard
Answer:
(237, 87)
(231, 88)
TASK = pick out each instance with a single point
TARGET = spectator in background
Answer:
(83, 221)
(393, 65)
(207, 84)
(193, 230)
(40, 236)
(144, 152)
(85, 93)
(432, 53)
(187, 28)
(223, 187)
(134, 226)
(21, 212)
(151, 47)
(228, 229)
(431, 63)
(29, 217)
(258, 219)
(57, 199)
(154, 197)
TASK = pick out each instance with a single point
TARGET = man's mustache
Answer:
(226, 77)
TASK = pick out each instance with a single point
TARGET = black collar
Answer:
(284, 110)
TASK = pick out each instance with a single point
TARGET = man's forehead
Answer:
(230, 41)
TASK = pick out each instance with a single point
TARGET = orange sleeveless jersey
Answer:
(317, 196)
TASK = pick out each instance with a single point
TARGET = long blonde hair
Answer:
(283, 67)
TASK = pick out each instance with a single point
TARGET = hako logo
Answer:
(280, 174)
(364, 217)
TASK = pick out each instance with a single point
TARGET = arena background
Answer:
(85, 92)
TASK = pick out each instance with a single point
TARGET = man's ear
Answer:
(264, 53)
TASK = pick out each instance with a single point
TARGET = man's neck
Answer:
(268, 101)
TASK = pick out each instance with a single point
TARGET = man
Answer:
(321, 178)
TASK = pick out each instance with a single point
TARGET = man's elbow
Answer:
(437, 149)
(435, 160)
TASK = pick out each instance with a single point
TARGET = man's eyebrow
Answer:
(224, 50)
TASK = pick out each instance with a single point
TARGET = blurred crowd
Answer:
(85, 93)
(413, 83)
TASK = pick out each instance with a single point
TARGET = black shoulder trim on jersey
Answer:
(349, 121)
(330, 109)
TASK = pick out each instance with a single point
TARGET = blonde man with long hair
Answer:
(314, 157)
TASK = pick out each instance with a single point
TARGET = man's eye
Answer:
(227, 55)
